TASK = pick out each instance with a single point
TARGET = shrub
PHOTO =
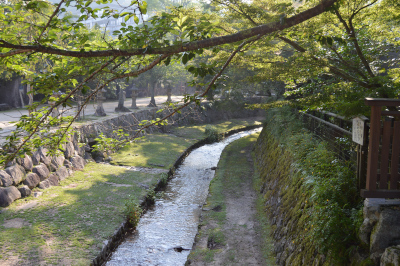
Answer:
(133, 212)
(212, 133)
(105, 144)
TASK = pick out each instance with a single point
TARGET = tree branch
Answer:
(205, 91)
(293, 44)
(352, 34)
(343, 21)
(344, 62)
(15, 52)
(50, 19)
(191, 46)
(44, 117)
(358, 49)
(332, 69)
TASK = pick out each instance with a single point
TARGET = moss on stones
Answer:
(310, 200)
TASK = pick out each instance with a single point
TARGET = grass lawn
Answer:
(152, 151)
(69, 223)
(197, 132)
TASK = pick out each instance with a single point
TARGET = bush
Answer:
(133, 212)
(212, 134)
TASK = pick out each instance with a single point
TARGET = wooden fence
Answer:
(383, 150)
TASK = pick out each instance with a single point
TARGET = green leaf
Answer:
(191, 56)
(167, 61)
(185, 59)
(136, 19)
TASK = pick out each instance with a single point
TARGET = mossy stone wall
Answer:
(286, 202)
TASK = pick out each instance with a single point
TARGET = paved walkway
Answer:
(8, 118)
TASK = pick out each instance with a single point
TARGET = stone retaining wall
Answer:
(379, 235)
(42, 171)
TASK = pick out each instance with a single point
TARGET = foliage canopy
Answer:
(331, 53)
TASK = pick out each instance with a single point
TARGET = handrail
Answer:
(382, 102)
(330, 124)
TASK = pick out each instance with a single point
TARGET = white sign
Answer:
(358, 130)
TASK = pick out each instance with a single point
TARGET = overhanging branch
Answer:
(191, 46)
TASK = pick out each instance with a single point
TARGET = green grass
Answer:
(162, 149)
(71, 221)
(197, 132)
(152, 151)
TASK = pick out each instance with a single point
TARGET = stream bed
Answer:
(166, 232)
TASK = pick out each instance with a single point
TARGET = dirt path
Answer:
(230, 232)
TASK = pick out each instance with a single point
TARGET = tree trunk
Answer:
(9, 91)
(152, 100)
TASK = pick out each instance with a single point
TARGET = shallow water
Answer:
(173, 221)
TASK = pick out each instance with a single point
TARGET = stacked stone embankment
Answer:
(39, 170)
(287, 204)
(42, 171)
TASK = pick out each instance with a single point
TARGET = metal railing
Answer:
(336, 132)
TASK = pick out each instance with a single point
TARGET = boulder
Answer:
(391, 256)
(99, 157)
(53, 180)
(32, 180)
(8, 195)
(36, 158)
(43, 156)
(88, 156)
(86, 148)
(80, 148)
(68, 164)
(42, 171)
(78, 163)
(57, 162)
(70, 172)
(26, 162)
(37, 194)
(17, 173)
(25, 191)
(69, 150)
(365, 231)
(386, 231)
(62, 173)
(5, 179)
(44, 184)
(11, 163)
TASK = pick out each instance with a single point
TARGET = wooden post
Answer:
(364, 156)
(394, 172)
(373, 154)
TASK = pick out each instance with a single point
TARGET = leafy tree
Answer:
(333, 61)
(71, 52)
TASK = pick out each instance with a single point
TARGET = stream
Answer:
(171, 224)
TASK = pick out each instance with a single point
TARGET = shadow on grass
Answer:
(70, 222)
(197, 132)
(158, 150)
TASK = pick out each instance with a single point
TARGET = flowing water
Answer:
(173, 220)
